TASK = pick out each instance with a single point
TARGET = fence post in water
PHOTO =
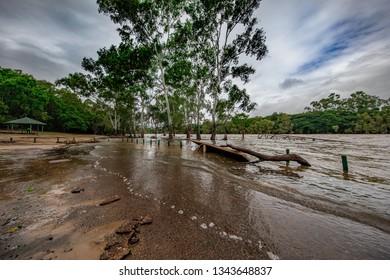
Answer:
(158, 142)
(136, 141)
(168, 143)
(35, 139)
(58, 139)
(181, 144)
(150, 142)
(123, 139)
(345, 163)
(143, 140)
(287, 152)
(10, 139)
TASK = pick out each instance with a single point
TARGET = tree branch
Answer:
(263, 157)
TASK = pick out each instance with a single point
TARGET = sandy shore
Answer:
(50, 208)
(43, 141)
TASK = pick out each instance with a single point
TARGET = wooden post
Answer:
(35, 139)
(287, 152)
(158, 142)
(143, 140)
(136, 141)
(168, 143)
(344, 160)
(58, 139)
(204, 148)
(150, 142)
(123, 139)
(10, 139)
(181, 144)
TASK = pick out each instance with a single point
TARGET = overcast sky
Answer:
(315, 47)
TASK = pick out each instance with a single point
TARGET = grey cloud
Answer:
(289, 83)
(40, 66)
(39, 36)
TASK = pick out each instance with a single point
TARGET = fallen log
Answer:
(208, 147)
(263, 157)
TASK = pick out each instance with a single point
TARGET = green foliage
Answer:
(241, 121)
(359, 113)
(17, 91)
(261, 125)
(282, 123)
(22, 95)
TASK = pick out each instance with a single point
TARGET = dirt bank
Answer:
(51, 208)
(43, 141)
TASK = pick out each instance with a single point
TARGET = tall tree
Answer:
(152, 23)
(219, 24)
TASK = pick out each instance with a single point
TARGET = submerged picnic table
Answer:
(208, 147)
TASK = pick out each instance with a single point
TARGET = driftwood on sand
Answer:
(263, 157)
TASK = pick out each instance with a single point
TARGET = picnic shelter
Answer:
(26, 122)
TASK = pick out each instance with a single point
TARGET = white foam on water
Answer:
(173, 206)
(235, 237)
(211, 224)
(272, 256)
(204, 226)
(194, 218)
(181, 212)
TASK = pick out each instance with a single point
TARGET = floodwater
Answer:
(297, 213)
(292, 212)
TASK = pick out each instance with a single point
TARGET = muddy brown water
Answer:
(278, 211)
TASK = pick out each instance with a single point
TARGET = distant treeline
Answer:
(22, 95)
(359, 113)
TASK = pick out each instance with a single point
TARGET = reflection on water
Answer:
(295, 212)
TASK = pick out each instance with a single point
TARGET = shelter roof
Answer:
(25, 121)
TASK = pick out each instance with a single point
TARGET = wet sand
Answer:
(41, 218)
(203, 206)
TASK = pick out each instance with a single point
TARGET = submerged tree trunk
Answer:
(213, 118)
(142, 118)
(286, 157)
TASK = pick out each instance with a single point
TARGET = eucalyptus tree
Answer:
(237, 101)
(155, 117)
(117, 77)
(228, 31)
(152, 23)
(189, 74)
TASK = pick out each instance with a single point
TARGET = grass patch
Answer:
(30, 189)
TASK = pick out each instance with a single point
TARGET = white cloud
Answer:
(315, 47)
(319, 47)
